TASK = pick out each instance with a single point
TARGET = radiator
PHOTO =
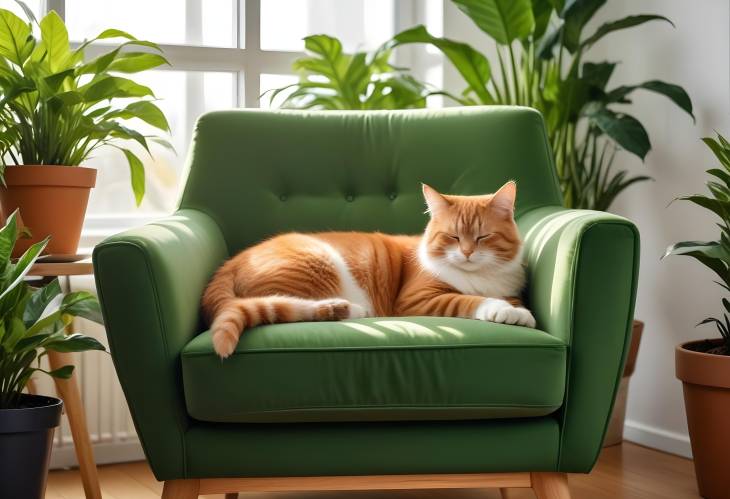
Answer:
(107, 415)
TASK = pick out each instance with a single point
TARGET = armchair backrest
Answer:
(259, 172)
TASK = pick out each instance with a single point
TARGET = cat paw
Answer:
(224, 342)
(334, 309)
(501, 311)
(357, 311)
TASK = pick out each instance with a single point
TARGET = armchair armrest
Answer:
(150, 280)
(582, 270)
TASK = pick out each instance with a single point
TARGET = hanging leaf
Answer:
(576, 14)
(472, 65)
(503, 20)
(626, 130)
(626, 22)
(136, 172)
(674, 92)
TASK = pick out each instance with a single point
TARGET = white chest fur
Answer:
(497, 281)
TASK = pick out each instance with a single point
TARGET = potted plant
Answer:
(332, 79)
(56, 109)
(32, 322)
(704, 366)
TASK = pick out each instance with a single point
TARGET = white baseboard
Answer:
(104, 453)
(657, 438)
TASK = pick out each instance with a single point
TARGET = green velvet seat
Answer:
(383, 369)
(431, 395)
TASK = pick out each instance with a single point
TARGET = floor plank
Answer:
(625, 471)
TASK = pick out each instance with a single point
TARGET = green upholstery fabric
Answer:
(255, 173)
(495, 445)
(390, 369)
(258, 173)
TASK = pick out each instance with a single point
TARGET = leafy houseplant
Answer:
(333, 79)
(32, 322)
(541, 54)
(704, 366)
(56, 109)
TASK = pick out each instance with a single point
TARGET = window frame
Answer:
(247, 62)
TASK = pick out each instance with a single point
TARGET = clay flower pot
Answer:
(52, 202)
(706, 380)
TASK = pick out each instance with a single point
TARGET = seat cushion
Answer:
(377, 369)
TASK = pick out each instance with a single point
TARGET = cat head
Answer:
(471, 233)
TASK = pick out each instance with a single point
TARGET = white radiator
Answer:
(107, 416)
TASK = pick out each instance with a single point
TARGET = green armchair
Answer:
(381, 402)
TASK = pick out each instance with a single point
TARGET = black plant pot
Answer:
(26, 435)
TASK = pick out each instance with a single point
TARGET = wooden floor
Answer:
(625, 471)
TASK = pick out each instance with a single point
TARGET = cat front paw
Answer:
(501, 311)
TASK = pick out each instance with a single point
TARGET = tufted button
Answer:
(350, 198)
(282, 197)
(392, 196)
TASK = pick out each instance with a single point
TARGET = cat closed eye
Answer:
(485, 236)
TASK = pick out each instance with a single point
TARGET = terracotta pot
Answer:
(52, 202)
(615, 431)
(706, 380)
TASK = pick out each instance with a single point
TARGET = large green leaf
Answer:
(113, 87)
(626, 130)
(82, 304)
(576, 14)
(74, 343)
(136, 172)
(134, 62)
(14, 38)
(8, 236)
(626, 22)
(710, 254)
(598, 74)
(674, 92)
(542, 11)
(721, 153)
(21, 269)
(720, 207)
(55, 40)
(144, 110)
(39, 300)
(503, 20)
(471, 64)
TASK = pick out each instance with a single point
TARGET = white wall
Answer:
(676, 293)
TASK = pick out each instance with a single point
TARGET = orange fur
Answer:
(299, 277)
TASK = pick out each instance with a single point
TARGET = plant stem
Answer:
(505, 78)
(515, 76)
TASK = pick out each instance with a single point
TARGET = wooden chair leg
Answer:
(550, 485)
(232, 495)
(68, 391)
(181, 489)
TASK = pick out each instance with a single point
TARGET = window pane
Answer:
(270, 82)
(359, 24)
(183, 97)
(182, 22)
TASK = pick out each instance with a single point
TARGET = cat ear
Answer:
(504, 199)
(434, 199)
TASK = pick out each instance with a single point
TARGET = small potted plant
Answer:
(32, 322)
(704, 366)
(56, 109)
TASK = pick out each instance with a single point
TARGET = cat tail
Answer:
(235, 315)
(221, 290)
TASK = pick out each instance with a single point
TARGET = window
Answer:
(223, 54)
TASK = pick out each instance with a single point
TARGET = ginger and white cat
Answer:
(466, 264)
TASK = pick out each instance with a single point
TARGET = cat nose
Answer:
(467, 252)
